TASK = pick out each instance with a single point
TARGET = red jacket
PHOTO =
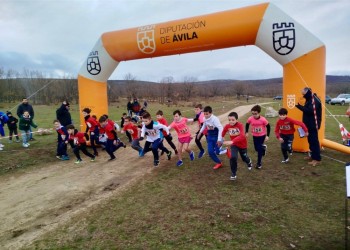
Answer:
(286, 126)
(78, 138)
(91, 123)
(237, 134)
(110, 132)
(133, 127)
(165, 123)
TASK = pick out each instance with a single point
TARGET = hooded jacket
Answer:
(308, 111)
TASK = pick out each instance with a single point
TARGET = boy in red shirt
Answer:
(132, 129)
(238, 144)
(112, 143)
(284, 132)
(92, 127)
(79, 143)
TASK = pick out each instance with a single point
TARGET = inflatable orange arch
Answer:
(301, 54)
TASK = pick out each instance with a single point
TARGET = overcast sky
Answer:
(55, 37)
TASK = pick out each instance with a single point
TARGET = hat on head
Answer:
(8, 113)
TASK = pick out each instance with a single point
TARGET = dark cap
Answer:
(8, 113)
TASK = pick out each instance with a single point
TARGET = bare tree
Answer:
(188, 87)
(132, 89)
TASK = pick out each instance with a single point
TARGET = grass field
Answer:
(291, 206)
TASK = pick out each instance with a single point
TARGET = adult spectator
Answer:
(312, 117)
(25, 106)
(129, 107)
(136, 107)
(63, 114)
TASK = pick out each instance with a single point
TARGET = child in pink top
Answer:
(183, 134)
(260, 131)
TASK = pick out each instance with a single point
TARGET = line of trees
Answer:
(42, 89)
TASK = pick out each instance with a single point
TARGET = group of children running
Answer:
(104, 132)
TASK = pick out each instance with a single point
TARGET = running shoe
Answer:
(179, 163)
(250, 165)
(78, 161)
(233, 178)
(201, 153)
(192, 155)
(65, 158)
(217, 166)
(169, 155)
(285, 160)
(156, 163)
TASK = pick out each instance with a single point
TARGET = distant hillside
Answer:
(330, 79)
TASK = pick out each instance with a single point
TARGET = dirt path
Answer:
(42, 199)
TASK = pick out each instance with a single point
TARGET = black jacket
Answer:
(308, 111)
(12, 122)
(25, 107)
(63, 115)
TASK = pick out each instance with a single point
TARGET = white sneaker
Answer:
(28, 144)
(223, 151)
(285, 161)
(2, 145)
(233, 178)
(1, 149)
(25, 145)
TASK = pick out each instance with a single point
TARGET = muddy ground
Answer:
(39, 200)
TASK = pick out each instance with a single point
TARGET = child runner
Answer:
(122, 126)
(284, 132)
(238, 143)
(79, 142)
(214, 137)
(113, 143)
(92, 127)
(3, 121)
(25, 121)
(168, 137)
(152, 129)
(183, 134)
(260, 131)
(62, 141)
(12, 126)
(133, 130)
(200, 119)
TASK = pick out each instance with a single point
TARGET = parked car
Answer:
(341, 99)
(278, 97)
(328, 99)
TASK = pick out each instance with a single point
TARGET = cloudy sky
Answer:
(55, 36)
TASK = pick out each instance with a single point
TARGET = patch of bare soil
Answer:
(39, 200)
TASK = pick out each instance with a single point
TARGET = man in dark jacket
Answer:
(63, 115)
(312, 117)
(25, 106)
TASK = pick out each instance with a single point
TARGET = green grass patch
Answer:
(194, 207)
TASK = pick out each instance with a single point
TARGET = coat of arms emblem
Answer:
(290, 101)
(93, 65)
(145, 39)
(283, 38)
